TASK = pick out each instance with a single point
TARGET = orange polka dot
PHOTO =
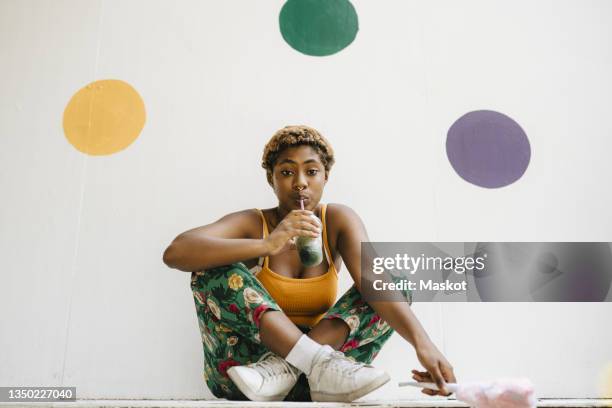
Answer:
(104, 117)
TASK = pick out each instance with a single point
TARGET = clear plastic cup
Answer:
(310, 249)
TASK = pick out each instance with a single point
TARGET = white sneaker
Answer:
(334, 377)
(269, 379)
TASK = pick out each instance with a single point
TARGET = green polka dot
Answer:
(318, 27)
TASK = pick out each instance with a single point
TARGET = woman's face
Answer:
(298, 173)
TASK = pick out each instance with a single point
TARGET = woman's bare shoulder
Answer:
(250, 219)
(340, 210)
(344, 220)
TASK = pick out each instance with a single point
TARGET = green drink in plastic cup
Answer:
(310, 249)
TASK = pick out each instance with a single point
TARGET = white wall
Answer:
(85, 299)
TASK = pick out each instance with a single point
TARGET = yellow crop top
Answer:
(304, 300)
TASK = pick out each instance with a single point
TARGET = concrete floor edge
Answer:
(404, 403)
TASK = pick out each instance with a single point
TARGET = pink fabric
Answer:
(502, 393)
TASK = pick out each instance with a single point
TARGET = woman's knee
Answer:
(218, 274)
(232, 299)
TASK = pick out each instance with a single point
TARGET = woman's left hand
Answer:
(438, 368)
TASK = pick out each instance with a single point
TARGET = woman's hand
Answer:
(439, 370)
(296, 223)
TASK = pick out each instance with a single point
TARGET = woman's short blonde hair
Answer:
(291, 136)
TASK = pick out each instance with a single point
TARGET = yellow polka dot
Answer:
(104, 117)
(605, 382)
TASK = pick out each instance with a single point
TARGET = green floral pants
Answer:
(230, 302)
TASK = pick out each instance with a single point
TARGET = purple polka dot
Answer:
(488, 149)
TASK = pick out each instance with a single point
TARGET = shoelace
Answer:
(269, 364)
(343, 364)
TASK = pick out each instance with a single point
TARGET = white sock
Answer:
(303, 353)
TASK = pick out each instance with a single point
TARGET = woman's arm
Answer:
(223, 242)
(399, 315)
(229, 240)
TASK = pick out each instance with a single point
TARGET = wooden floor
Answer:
(430, 403)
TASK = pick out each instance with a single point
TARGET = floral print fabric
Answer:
(230, 302)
